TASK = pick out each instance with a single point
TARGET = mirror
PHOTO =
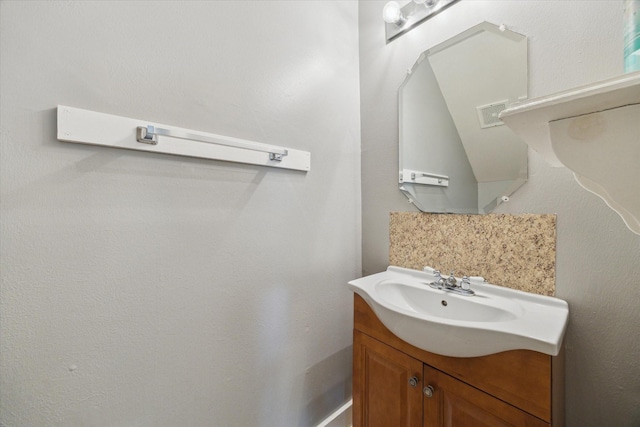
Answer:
(456, 155)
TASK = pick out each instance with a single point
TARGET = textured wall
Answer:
(571, 43)
(150, 290)
(515, 251)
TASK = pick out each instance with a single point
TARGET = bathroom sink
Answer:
(493, 320)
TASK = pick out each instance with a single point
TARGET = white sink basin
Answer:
(495, 319)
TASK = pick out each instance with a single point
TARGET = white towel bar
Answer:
(93, 128)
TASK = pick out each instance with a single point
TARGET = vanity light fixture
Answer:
(392, 14)
(398, 20)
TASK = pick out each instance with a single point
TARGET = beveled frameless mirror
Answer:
(456, 156)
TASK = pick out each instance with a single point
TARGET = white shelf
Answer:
(594, 131)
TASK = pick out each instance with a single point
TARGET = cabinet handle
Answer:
(428, 391)
(413, 381)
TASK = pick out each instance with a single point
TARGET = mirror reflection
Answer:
(456, 155)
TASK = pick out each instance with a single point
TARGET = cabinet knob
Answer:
(413, 381)
(428, 391)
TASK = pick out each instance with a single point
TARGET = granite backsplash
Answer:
(516, 251)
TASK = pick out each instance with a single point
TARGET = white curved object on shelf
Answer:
(594, 131)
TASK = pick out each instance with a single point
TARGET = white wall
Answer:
(150, 290)
(571, 43)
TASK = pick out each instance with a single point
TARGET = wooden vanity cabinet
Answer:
(515, 388)
(384, 394)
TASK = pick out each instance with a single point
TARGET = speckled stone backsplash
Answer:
(516, 251)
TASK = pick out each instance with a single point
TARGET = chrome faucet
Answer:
(450, 284)
(451, 281)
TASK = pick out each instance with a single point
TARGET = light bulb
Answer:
(392, 13)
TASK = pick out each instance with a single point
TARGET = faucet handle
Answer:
(466, 283)
(439, 281)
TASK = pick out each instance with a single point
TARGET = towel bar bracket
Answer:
(146, 137)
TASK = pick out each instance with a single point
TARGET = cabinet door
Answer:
(456, 404)
(383, 394)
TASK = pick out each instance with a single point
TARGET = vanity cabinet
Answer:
(390, 386)
(397, 384)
